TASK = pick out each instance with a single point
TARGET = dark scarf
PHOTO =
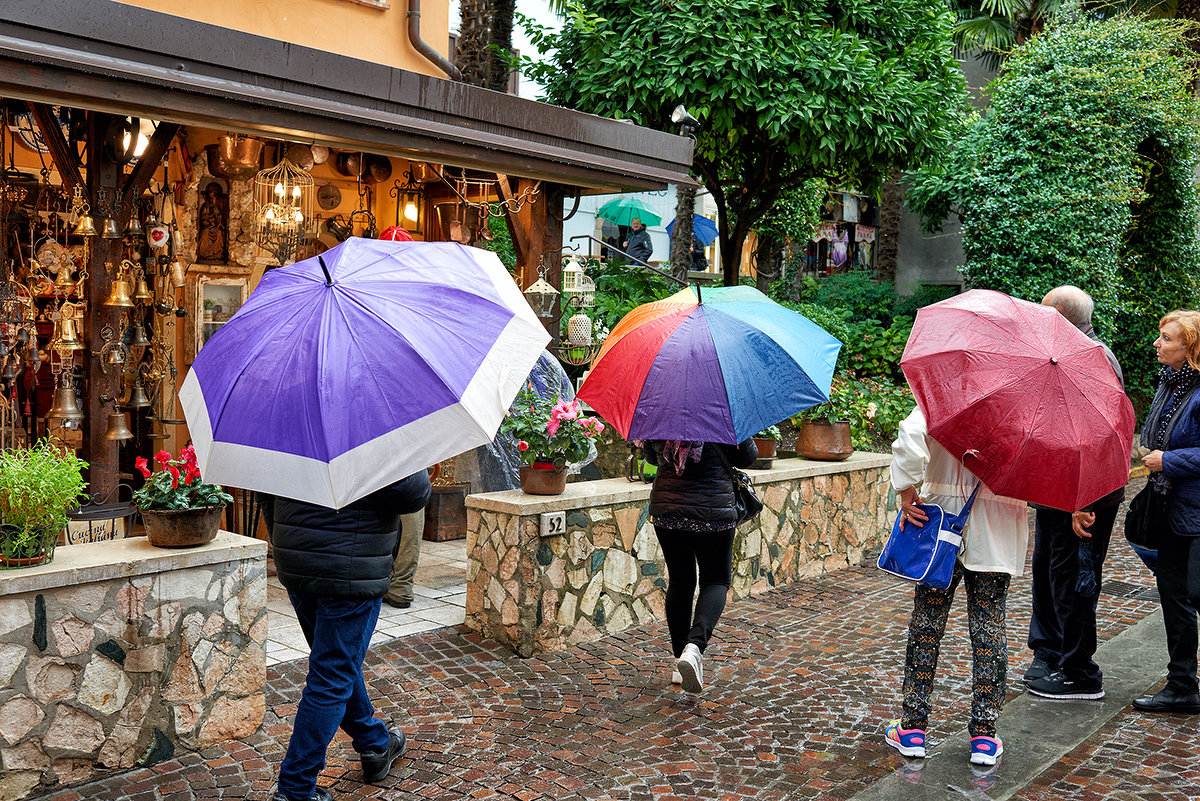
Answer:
(1174, 387)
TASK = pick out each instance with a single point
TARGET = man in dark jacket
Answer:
(638, 244)
(336, 567)
(1068, 555)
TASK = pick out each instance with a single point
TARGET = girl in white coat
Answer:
(995, 542)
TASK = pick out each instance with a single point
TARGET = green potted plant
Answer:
(767, 441)
(38, 486)
(179, 509)
(823, 432)
(549, 435)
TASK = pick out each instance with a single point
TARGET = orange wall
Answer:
(351, 27)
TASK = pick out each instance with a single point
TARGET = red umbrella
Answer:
(1027, 401)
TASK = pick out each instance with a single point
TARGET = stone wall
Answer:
(605, 572)
(118, 653)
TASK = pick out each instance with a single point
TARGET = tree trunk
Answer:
(501, 41)
(887, 232)
(681, 239)
(768, 261)
(471, 52)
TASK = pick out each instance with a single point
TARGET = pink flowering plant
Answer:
(177, 484)
(550, 430)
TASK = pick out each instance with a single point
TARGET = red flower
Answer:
(141, 464)
(162, 457)
(193, 472)
(174, 471)
(189, 455)
(522, 445)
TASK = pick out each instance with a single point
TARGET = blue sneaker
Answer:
(985, 750)
(909, 742)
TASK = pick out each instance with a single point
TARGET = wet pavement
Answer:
(800, 681)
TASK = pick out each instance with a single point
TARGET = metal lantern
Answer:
(410, 201)
(541, 296)
(284, 220)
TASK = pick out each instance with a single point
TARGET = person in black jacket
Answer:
(336, 566)
(692, 506)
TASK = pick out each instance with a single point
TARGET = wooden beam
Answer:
(61, 153)
(520, 237)
(150, 160)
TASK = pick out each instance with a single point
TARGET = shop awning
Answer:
(126, 60)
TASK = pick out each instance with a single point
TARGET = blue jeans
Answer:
(338, 632)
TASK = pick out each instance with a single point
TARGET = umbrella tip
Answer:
(1053, 360)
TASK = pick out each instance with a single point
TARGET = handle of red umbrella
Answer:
(324, 269)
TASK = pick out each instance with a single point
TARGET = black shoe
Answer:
(319, 794)
(1038, 669)
(397, 604)
(1057, 685)
(376, 765)
(1167, 700)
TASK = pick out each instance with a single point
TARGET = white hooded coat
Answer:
(996, 538)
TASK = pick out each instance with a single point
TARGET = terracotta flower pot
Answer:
(766, 452)
(543, 479)
(824, 440)
(181, 528)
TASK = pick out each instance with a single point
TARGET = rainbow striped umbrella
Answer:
(718, 366)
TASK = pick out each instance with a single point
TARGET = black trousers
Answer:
(1178, 578)
(1066, 586)
(691, 557)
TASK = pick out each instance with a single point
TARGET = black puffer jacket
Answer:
(705, 490)
(344, 553)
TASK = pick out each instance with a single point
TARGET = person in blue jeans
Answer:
(336, 566)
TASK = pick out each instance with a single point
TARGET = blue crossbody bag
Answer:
(926, 553)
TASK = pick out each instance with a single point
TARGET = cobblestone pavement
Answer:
(800, 680)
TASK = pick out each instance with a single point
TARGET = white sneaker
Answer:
(676, 678)
(691, 669)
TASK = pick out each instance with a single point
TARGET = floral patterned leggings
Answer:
(986, 594)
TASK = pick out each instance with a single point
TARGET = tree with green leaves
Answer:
(786, 91)
(1083, 172)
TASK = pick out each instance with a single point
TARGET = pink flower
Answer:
(552, 426)
(141, 464)
(565, 411)
(522, 445)
(189, 455)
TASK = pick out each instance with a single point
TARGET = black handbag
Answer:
(745, 503)
(1146, 519)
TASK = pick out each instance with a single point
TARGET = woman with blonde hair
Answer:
(1172, 432)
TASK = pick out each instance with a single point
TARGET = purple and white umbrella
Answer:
(327, 390)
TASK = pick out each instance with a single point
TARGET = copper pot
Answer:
(824, 440)
(301, 156)
(376, 169)
(182, 528)
(320, 153)
(348, 164)
(237, 155)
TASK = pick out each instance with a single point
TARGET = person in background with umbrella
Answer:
(1068, 558)
(1172, 430)
(692, 507)
(638, 244)
(994, 546)
(336, 566)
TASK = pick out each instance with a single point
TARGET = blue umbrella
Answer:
(703, 228)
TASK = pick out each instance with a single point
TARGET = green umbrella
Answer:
(623, 209)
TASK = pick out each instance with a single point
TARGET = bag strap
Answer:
(966, 510)
(728, 466)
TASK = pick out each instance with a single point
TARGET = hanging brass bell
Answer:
(119, 296)
(134, 226)
(141, 291)
(137, 336)
(65, 406)
(10, 372)
(151, 219)
(116, 356)
(178, 273)
(63, 281)
(66, 335)
(118, 427)
(137, 398)
(111, 231)
(85, 226)
(22, 335)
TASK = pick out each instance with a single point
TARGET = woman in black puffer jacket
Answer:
(692, 507)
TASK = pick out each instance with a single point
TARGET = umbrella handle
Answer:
(324, 269)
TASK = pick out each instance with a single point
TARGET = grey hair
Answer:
(1072, 303)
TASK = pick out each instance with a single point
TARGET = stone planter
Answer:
(182, 528)
(824, 440)
(766, 453)
(543, 479)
